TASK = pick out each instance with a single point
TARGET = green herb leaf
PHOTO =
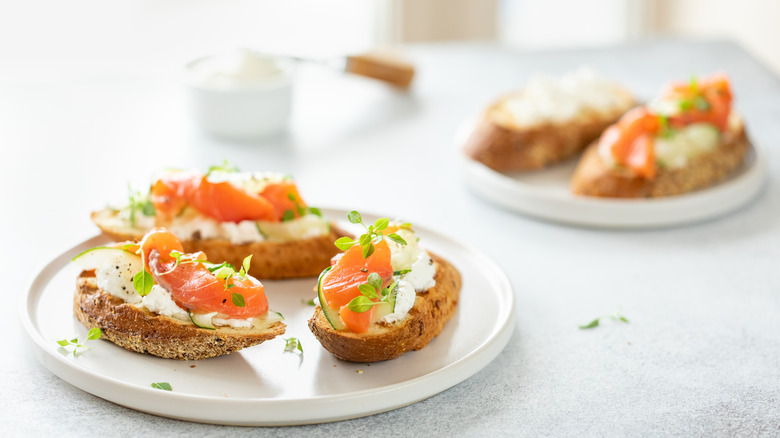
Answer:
(292, 344)
(365, 239)
(288, 216)
(238, 299)
(245, 264)
(213, 268)
(368, 291)
(94, 333)
(368, 250)
(381, 223)
(360, 304)
(143, 282)
(685, 105)
(406, 226)
(402, 272)
(308, 302)
(592, 324)
(354, 217)
(165, 386)
(225, 167)
(148, 209)
(315, 211)
(224, 272)
(397, 239)
(701, 103)
(344, 243)
(64, 342)
(595, 323)
(374, 280)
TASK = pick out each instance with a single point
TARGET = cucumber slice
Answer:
(332, 315)
(202, 320)
(94, 258)
(386, 308)
(309, 225)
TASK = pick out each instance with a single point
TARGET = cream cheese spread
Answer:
(240, 69)
(560, 100)
(420, 277)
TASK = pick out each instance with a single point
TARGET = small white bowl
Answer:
(242, 95)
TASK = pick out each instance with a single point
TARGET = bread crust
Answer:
(426, 319)
(139, 330)
(594, 177)
(271, 260)
(504, 147)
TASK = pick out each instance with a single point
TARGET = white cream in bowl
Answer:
(242, 94)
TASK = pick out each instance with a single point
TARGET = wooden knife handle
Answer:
(385, 68)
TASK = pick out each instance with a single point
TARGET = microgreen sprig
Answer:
(293, 345)
(138, 203)
(289, 215)
(665, 130)
(226, 271)
(369, 292)
(372, 236)
(595, 323)
(698, 101)
(143, 282)
(165, 386)
(92, 334)
(225, 167)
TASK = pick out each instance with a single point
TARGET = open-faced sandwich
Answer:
(546, 122)
(384, 296)
(686, 139)
(152, 297)
(228, 215)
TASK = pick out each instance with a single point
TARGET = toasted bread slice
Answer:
(504, 143)
(271, 260)
(595, 177)
(426, 319)
(139, 330)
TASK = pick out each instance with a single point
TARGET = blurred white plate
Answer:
(545, 194)
(263, 385)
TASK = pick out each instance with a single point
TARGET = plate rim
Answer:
(320, 408)
(607, 211)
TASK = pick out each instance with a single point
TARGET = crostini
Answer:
(548, 121)
(686, 139)
(152, 297)
(384, 296)
(230, 214)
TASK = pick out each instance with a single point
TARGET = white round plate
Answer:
(263, 385)
(545, 194)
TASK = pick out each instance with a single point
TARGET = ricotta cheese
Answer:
(404, 301)
(116, 277)
(420, 277)
(239, 69)
(559, 100)
(686, 143)
(159, 301)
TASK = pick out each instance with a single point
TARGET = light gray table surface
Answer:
(700, 357)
